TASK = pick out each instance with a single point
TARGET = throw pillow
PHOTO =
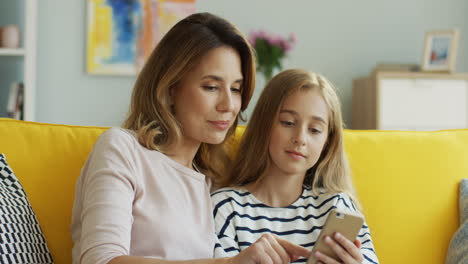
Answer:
(21, 238)
(458, 249)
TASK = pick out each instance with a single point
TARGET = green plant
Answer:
(270, 49)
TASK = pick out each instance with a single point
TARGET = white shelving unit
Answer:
(27, 53)
(12, 52)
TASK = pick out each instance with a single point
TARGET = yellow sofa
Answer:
(407, 183)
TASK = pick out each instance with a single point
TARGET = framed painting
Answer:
(121, 34)
(440, 51)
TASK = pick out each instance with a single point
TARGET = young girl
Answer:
(290, 172)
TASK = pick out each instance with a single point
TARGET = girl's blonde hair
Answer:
(331, 172)
(178, 52)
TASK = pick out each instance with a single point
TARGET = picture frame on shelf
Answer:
(440, 51)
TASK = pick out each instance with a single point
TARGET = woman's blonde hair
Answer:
(331, 172)
(178, 52)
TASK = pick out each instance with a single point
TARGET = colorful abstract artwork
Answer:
(122, 33)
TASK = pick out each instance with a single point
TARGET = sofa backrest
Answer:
(407, 183)
(47, 160)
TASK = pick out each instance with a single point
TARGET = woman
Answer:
(143, 194)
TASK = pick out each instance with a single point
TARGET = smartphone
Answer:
(345, 223)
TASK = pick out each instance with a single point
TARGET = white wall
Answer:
(341, 39)
(65, 93)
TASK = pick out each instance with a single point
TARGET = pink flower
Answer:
(287, 46)
(261, 34)
(293, 38)
(269, 59)
(274, 40)
(252, 39)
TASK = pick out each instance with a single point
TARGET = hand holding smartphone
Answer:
(346, 224)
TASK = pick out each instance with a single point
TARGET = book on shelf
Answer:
(16, 101)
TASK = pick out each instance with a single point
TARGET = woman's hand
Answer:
(270, 249)
(347, 251)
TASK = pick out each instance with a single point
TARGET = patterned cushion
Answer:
(458, 249)
(21, 239)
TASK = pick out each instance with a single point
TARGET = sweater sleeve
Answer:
(107, 194)
(364, 236)
(223, 212)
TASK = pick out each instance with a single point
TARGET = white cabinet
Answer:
(19, 65)
(410, 101)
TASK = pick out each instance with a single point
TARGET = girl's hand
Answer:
(270, 249)
(347, 251)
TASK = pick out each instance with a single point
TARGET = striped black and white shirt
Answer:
(240, 219)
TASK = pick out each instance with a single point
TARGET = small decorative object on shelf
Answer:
(10, 37)
(270, 49)
(440, 51)
(16, 101)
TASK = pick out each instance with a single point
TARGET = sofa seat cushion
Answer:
(21, 238)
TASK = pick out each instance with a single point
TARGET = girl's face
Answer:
(299, 132)
(208, 99)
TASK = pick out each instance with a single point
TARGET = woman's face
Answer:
(208, 99)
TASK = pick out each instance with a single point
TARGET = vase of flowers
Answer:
(270, 49)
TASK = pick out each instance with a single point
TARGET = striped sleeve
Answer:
(367, 247)
(227, 244)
